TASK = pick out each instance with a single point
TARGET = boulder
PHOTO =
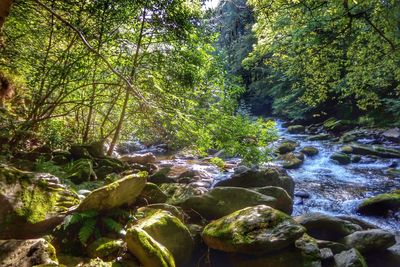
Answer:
(341, 158)
(147, 250)
(253, 230)
(392, 135)
(116, 194)
(321, 226)
(249, 178)
(335, 247)
(151, 194)
(286, 147)
(139, 158)
(26, 253)
(337, 126)
(296, 129)
(178, 193)
(105, 248)
(292, 161)
(31, 204)
(370, 240)
(283, 201)
(350, 258)
(309, 151)
(320, 137)
(222, 201)
(149, 210)
(374, 150)
(381, 204)
(171, 233)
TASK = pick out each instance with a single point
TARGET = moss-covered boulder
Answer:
(149, 210)
(178, 193)
(370, 240)
(147, 250)
(324, 227)
(320, 137)
(81, 171)
(350, 258)
(116, 194)
(341, 158)
(283, 201)
(253, 230)
(31, 252)
(105, 248)
(380, 204)
(31, 204)
(373, 150)
(296, 129)
(309, 151)
(292, 160)
(151, 194)
(286, 147)
(222, 201)
(336, 126)
(170, 232)
(250, 178)
(106, 166)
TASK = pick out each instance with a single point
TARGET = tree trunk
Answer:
(5, 6)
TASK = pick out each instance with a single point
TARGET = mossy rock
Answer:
(28, 203)
(105, 248)
(147, 250)
(292, 161)
(81, 171)
(341, 158)
(149, 210)
(171, 233)
(324, 227)
(320, 137)
(374, 150)
(356, 159)
(253, 230)
(286, 147)
(152, 194)
(178, 193)
(283, 201)
(219, 201)
(350, 258)
(370, 240)
(296, 129)
(347, 149)
(380, 205)
(309, 151)
(116, 194)
(337, 126)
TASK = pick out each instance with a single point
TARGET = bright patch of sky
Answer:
(212, 3)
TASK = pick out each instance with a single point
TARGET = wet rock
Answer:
(166, 230)
(151, 194)
(222, 201)
(326, 254)
(26, 253)
(370, 240)
(105, 248)
(250, 178)
(355, 135)
(356, 159)
(292, 160)
(392, 135)
(296, 129)
(341, 158)
(283, 201)
(139, 158)
(381, 204)
(309, 151)
(31, 204)
(375, 150)
(320, 137)
(321, 226)
(302, 194)
(253, 230)
(286, 147)
(147, 250)
(116, 194)
(350, 258)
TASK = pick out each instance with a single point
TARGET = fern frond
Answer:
(89, 214)
(71, 219)
(87, 230)
(112, 225)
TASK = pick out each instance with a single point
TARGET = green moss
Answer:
(220, 163)
(105, 248)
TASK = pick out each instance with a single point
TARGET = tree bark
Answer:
(5, 6)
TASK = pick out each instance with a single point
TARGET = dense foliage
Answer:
(109, 70)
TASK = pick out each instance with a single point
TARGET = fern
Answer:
(112, 225)
(87, 230)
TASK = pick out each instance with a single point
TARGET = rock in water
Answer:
(341, 158)
(296, 129)
(254, 230)
(370, 240)
(149, 252)
(26, 253)
(380, 204)
(249, 178)
(225, 200)
(392, 135)
(326, 227)
(139, 158)
(309, 151)
(116, 194)
(350, 258)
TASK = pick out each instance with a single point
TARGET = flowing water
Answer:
(339, 189)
